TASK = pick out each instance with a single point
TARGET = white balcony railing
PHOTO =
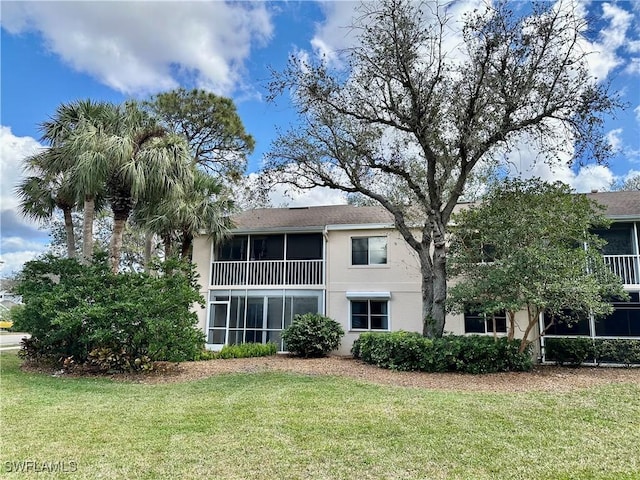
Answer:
(267, 272)
(627, 267)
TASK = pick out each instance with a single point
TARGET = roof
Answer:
(308, 218)
(623, 204)
(618, 205)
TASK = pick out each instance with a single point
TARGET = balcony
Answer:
(627, 267)
(267, 272)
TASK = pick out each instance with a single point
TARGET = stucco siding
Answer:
(399, 277)
(202, 260)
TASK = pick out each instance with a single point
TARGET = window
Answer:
(267, 247)
(369, 251)
(624, 321)
(619, 238)
(233, 249)
(569, 324)
(304, 246)
(481, 323)
(369, 315)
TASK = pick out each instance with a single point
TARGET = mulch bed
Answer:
(542, 378)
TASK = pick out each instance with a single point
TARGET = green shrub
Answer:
(395, 350)
(626, 352)
(312, 335)
(468, 354)
(246, 350)
(243, 350)
(569, 351)
(110, 321)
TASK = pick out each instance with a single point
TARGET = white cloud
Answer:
(285, 195)
(141, 47)
(12, 262)
(633, 67)
(611, 38)
(592, 177)
(12, 151)
(527, 162)
(334, 34)
(614, 137)
(631, 174)
(19, 242)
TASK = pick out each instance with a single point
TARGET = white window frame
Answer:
(369, 264)
(487, 323)
(374, 297)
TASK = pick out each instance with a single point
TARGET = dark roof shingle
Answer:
(618, 204)
(308, 217)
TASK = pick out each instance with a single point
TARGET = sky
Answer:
(55, 52)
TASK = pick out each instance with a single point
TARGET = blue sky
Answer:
(54, 52)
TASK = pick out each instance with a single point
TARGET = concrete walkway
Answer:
(11, 341)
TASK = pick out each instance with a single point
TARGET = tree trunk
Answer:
(494, 327)
(115, 248)
(435, 327)
(512, 324)
(166, 240)
(68, 228)
(434, 293)
(532, 316)
(187, 246)
(148, 246)
(87, 228)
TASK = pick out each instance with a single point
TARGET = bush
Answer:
(395, 350)
(468, 354)
(312, 335)
(569, 351)
(246, 350)
(626, 352)
(105, 320)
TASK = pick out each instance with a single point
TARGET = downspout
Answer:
(325, 267)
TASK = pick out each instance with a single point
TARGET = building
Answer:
(622, 255)
(351, 264)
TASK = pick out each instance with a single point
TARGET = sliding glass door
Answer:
(240, 316)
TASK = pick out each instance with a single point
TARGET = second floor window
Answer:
(369, 251)
(233, 249)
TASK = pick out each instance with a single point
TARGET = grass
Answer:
(282, 426)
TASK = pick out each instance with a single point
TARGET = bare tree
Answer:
(424, 103)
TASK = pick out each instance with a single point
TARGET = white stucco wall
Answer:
(400, 277)
(202, 260)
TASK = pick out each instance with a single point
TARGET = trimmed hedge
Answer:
(409, 351)
(570, 351)
(578, 350)
(626, 352)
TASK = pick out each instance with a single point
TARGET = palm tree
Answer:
(139, 161)
(66, 132)
(43, 190)
(201, 208)
(116, 151)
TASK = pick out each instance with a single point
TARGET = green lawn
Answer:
(281, 426)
